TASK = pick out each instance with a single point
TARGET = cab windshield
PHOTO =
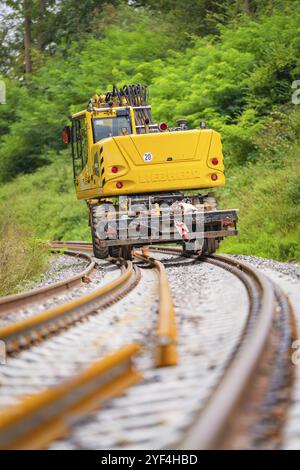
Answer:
(112, 126)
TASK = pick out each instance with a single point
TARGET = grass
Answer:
(40, 206)
(45, 202)
(22, 257)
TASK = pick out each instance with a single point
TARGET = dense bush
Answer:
(31, 121)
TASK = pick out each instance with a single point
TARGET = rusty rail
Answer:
(41, 418)
(209, 430)
(72, 245)
(217, 424)
(166, 350)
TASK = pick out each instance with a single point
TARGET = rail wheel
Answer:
(99, 251)
(187, 252)
(210, 246)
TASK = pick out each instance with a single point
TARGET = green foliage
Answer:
(190, 16)
(65, 83)
(235, 82)
(268, 198)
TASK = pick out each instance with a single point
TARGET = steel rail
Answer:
(172, 250)
(211, 426)
(14, 301)
(209, 429)
(25, 332)
(72, 245)
(166, 348)
(43, 417)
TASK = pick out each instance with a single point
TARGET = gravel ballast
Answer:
(211, 309)
(287, 277)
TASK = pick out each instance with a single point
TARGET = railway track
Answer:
(22, 334)
(73, 245)
(266, 340)
(33, 422)
(12, 302)
(245, 406)
(224, 419)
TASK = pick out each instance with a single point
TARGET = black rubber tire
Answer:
(120, 252)
(114, 251)
(126, 252)
(210, 245)
(99, 251)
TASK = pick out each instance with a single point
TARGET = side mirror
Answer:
(66, 135)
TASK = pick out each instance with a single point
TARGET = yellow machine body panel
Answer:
(151, 162)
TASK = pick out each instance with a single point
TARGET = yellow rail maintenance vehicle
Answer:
(139, 178)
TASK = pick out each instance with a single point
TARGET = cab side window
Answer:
(79, 145)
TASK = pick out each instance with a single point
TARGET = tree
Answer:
(200, 17)
(27, 37)
(74, 19)
(40, 33)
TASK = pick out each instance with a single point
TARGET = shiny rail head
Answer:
(48, 415)
(166, 333)
(210, 428)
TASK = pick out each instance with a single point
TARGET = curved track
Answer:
(246, 405)
(267, 338)
(23, 333)
(34, 422)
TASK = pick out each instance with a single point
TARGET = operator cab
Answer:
(112, 126)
